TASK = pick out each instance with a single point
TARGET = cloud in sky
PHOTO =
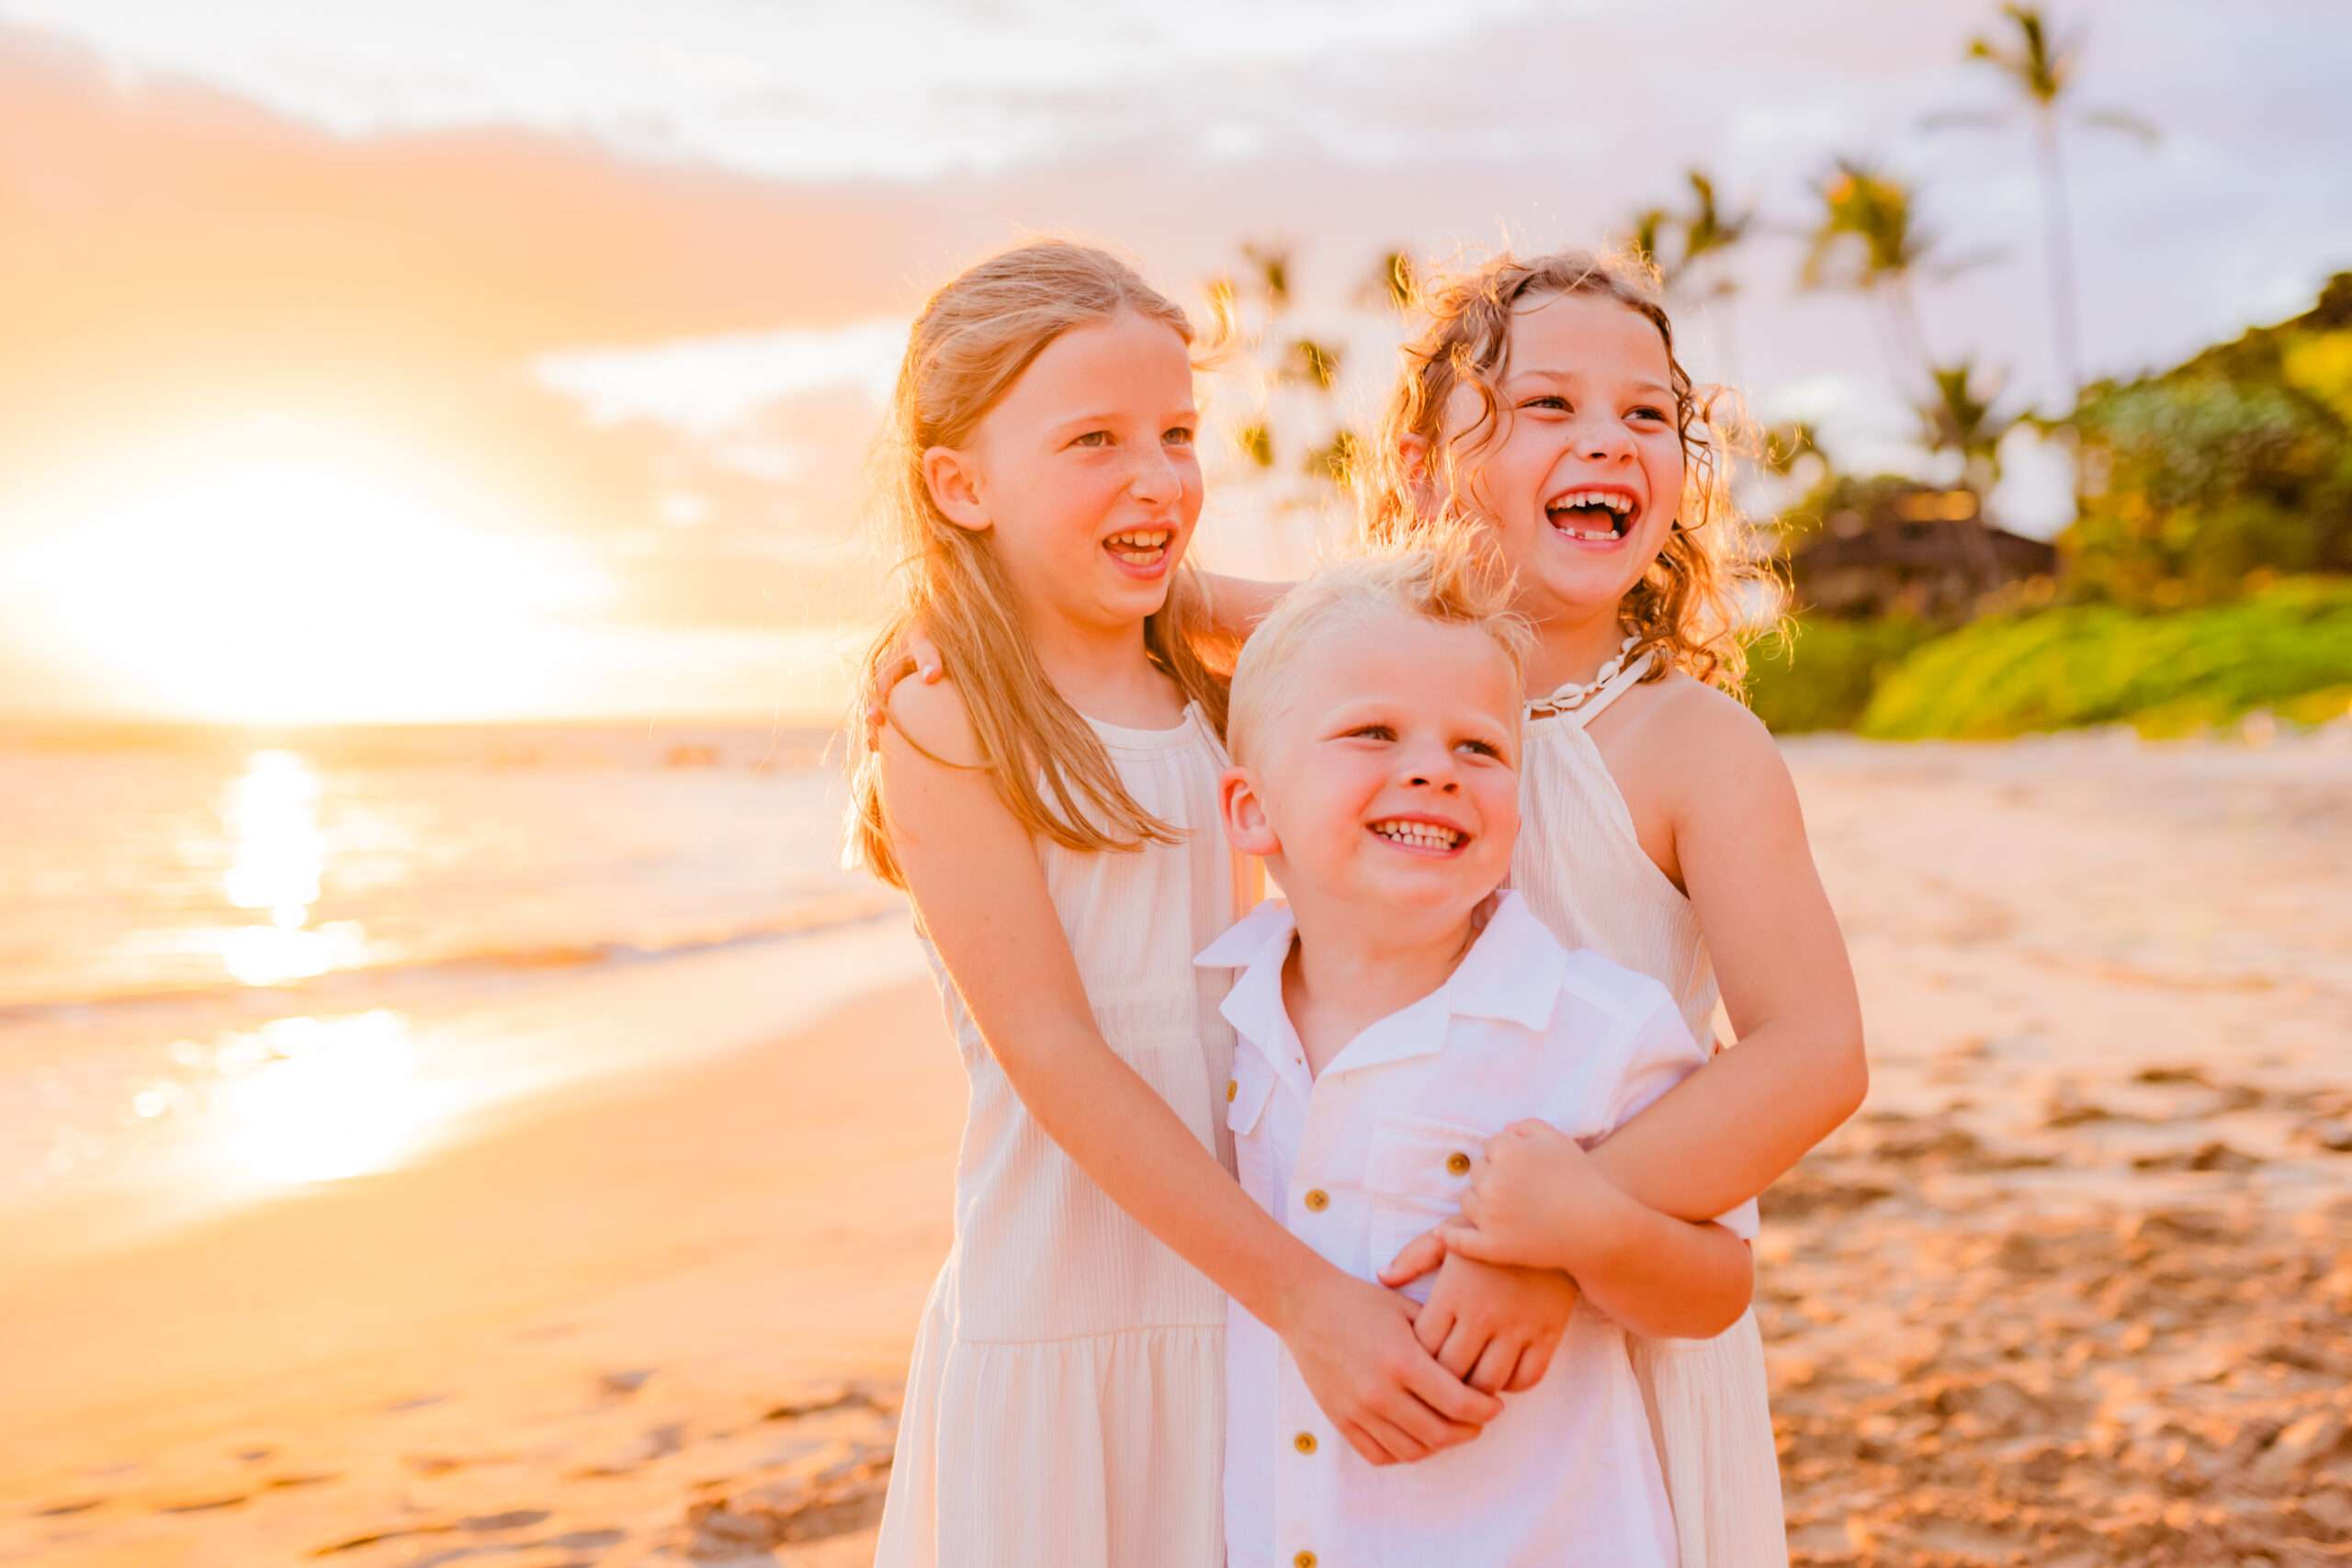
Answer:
(708, 387)
(1584, 108)
(898, 89)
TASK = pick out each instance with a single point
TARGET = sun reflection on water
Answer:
(273, 818)
(313, 1099)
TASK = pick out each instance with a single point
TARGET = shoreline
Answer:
(602, 1298)
(469, 1064)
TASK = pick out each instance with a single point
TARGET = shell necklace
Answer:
(1572, 695)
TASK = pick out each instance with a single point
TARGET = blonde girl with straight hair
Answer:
(1050, 808)
(1543, 405)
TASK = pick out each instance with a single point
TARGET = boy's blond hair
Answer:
(1446, 578)
(1697, 602)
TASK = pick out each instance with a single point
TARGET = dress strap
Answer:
(1608, 690)
(1579, 703)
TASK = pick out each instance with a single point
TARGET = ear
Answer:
(954, 480)
(1243, 810)
(1413, 451)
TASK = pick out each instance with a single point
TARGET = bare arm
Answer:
(982, 900)
(1236, 604)
(1539, 1201)
(1738, 844)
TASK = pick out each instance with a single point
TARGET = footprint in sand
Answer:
(418, 1403)
(202, 1506)
(623, 1385)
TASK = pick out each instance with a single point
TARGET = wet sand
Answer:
(2075, 1287)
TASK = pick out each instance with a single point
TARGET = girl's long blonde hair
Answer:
(1689, 604)
(974, 338)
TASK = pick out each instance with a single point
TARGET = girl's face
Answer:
(1583, 478)
(1085, 472)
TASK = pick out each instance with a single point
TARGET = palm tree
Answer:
(1961, 418)
(1689, 245)
(1869, 240)
(1704, 230)
(1709, 230)
(1396, 281)
(2042, 67)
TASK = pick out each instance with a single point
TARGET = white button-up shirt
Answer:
(1361, 1158)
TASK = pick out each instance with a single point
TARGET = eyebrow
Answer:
(1644, 384)
(1092, 418)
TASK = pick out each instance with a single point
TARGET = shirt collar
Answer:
(1258, 944)
(1511, 974)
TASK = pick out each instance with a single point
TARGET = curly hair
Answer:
(1691, 606)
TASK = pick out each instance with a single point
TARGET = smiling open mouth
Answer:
(1140, 547)
(1420, 835)
(1591, 515)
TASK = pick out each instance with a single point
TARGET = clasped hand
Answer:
(1502, 1297)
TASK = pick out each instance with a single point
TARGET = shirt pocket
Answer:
(1245, 1094)
(1415, 1173)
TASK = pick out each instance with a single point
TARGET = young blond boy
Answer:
(1417, 1051)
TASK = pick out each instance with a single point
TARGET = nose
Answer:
(1155, 479)
(1432, 768)
(1604, 439)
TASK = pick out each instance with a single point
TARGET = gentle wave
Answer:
(848, 909)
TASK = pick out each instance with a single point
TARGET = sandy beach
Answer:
(2073, 1288)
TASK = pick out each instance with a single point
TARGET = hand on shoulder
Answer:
(929, 719)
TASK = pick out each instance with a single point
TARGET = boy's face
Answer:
(1390, 783)
(1585, 474)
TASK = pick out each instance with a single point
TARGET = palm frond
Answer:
(2130, 124)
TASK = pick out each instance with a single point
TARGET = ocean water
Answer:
(194, 923)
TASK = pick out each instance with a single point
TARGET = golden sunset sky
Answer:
(440, 360)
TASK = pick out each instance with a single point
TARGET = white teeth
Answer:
(1615, 500)
(1142, 538)
(1425, 835)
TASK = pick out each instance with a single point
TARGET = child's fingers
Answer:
(1534, 1362)
(1390, 1424)
(1449, 1399)
(1359, 1436)
(1467, 1240)
(1434, 1325)
(1416, 1258)
(1461, 1348)
(1419, 1431)
(1497, 1362)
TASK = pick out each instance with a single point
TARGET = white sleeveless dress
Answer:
(1065, 1405)
(1584, 875)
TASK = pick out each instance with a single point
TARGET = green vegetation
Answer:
(2208, 573)
(1823, 676)
(2238, 462)
(2287, 647)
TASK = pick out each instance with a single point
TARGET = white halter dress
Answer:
(1584, 875)
(1066, 1408)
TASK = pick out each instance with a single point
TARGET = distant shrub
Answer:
(2287, 647)
(1822, 678)
(2233, 466)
